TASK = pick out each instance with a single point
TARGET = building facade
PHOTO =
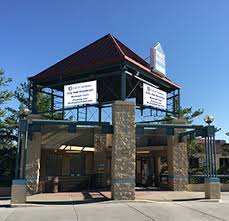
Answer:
(70, 148)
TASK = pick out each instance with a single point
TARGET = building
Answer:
(197, 160)
(96, 131)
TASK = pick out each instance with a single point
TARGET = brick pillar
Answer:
(33, 159)
(123, 151)
(100, 158)
(177, 164)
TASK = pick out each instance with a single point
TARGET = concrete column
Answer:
(123, 151)
(212, 187)
(177, 164)
(18, 192)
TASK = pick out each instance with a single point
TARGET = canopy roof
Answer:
(106, 51)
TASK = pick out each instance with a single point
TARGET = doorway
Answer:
(146, 172)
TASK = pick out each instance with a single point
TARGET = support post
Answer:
(123, 85)
(52, 103)
(123, 151)
(100, 113)
(18, 189)
(18, 157)
(34, 101)
(63, 107)
(32, 172)
(177, 164)
(100, 155)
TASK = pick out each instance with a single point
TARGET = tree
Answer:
(7, 127)
(188, 114)
(6, 131)
(43, 101)
(194, 149)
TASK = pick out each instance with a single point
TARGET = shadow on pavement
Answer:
(183, 200)
(145, 189)
(86, 201)
(88, 197)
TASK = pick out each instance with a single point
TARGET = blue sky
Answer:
(194, 35)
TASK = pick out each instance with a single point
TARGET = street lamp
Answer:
(25, 112)
(209, 119)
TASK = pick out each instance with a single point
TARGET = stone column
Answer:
(33, 163)
(100, 158)
(33, 159)
(123, 151)
(177, 164)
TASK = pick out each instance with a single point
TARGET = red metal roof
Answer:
(105, 51)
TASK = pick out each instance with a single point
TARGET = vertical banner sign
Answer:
(80, 93)
(154, 97)
(157, 59)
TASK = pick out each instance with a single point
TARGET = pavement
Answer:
(170, 208)
(82, 197)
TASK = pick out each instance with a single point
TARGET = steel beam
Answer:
(182, 126)
(68, 122)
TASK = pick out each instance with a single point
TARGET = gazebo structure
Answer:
(110, 120)
(119, 72)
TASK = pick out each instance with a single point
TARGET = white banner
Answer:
(154, 97)
(80, 93)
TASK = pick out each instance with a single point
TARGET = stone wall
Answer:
(123, 151)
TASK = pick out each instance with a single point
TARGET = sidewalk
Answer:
(84, 197)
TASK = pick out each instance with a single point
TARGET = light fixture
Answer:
(209, 119)
(69, 148)
(25, 112)
(143, 151)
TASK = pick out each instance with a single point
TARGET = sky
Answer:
(194, 35)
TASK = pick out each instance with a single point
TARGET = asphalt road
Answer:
(146, 211)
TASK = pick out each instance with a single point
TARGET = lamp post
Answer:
(18, 189)
(210, 147)
(212, 182)
(22, 131)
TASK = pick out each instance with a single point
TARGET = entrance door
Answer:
(147, 175)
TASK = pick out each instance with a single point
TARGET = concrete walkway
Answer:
(127, 211)
(84, 197)
(150, 205)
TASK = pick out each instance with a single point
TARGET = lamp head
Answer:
(25, 112)
(209, 119)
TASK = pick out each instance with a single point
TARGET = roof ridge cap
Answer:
(117, 46)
